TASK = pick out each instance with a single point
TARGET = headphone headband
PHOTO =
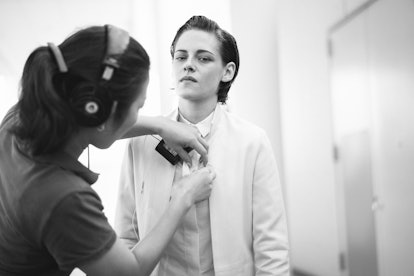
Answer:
(58, 57)
(117, 43)
(91, 99)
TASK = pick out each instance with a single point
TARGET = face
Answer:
(132, 113)
(197, 66)
(114, 129)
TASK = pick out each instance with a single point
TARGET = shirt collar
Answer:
(204, 127)
(67, 162)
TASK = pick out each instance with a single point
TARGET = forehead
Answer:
(194, 40)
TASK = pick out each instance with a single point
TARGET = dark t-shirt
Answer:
(51, 220)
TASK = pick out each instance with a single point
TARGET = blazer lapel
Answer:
(158, 177)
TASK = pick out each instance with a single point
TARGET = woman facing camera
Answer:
(241, 229)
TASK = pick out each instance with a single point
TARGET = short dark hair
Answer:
(228, 47)
(47, 117)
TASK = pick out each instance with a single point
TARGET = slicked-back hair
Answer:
(228, 47)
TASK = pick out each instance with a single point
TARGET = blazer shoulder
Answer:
(244, 127)
(142, 147)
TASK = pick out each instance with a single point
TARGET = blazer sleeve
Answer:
(126, 225)
(270, 234)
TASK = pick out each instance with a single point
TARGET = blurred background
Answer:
(332, 83)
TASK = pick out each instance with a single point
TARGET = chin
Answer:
(186, 92)
(102, 145)
(189, 96)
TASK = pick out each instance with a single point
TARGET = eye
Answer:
(204, 59)
(180, 57)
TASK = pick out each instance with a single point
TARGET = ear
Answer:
(228, 72)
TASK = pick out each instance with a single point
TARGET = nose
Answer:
(188, 66)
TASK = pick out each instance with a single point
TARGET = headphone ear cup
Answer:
(90, 104)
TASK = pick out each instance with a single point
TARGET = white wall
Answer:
(255, 93)
(390, 48)
(307, 132)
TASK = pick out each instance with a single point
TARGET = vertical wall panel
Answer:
(391, 56)
(352, 131)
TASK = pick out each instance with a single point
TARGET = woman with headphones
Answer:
(88, 90)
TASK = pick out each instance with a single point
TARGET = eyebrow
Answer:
(201, 51)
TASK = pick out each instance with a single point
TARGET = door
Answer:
(351, 103)
(373, 80)
(391, 55)
(355, 160)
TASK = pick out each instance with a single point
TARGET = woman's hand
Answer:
(179, 136)
(176, 135)
(146, 254)
(193, 188)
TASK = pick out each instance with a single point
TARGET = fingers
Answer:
(197, 185)
(211, 173)
(187, 136)
(201, 146)
(184, 155)
(203, 142)
(204, 157)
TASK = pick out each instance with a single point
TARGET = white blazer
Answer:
(248, 221)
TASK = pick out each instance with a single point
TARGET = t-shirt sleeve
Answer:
(77, 231)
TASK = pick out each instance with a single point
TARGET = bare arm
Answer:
(177, 135)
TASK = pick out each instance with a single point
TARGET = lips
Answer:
(188, 78)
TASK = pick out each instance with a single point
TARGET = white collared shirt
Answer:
(204, 127)
(190, 251)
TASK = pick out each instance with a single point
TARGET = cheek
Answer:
(130, 120)
(213, 79)
(133, 118)
(174, 72)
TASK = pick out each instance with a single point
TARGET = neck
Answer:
(195, 112)
(76, 145)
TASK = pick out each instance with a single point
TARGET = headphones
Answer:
(91, 101)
